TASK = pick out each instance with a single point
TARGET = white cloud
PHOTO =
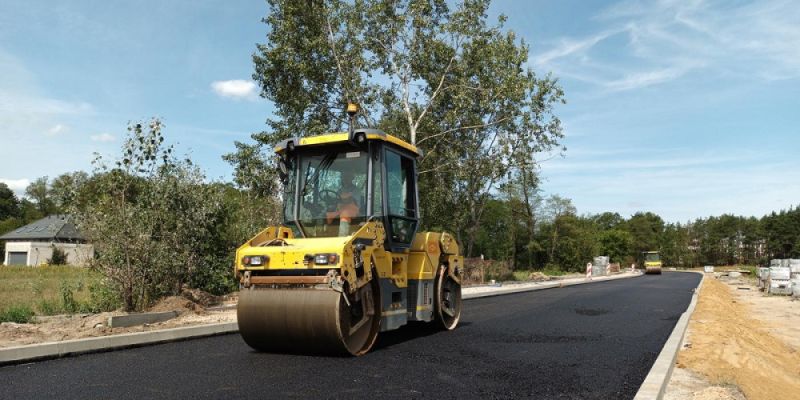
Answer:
(667, 40)
(235, 89)
(646, 78)
(568, 47)
(17, 185)
(103, 137)
(56, 130)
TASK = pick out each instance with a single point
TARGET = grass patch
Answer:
(47, 290)
(16, 313)
(521, 275)
(553, 271)
(525, 274)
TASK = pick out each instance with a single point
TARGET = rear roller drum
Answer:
(309, 320)
(447, 300)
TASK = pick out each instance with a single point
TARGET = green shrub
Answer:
(49, 307)
(522, 275)
(59, 257)
(216, 278)
(499, 271)
(19, 314)
(553, 270)
(102, 298)
(68, 302)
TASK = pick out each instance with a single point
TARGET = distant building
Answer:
(33, 244)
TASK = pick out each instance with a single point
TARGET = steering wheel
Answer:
(329, 197)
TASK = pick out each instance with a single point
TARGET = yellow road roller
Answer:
(348, 261)
(652, 262)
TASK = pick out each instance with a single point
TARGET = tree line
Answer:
(558, 238)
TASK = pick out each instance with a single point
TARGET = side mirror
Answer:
(283, 170)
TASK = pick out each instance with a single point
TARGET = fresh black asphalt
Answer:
(586, 341)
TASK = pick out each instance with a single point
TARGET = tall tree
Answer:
(442, 78)
(9, 204)
(646, 229)
(65, 189)
(39, 192)
(557, 207)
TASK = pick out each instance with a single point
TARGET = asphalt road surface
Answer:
(586, 341)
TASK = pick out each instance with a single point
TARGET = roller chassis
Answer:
(368, 291)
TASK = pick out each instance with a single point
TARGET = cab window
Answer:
(402, 204)
(332, 193)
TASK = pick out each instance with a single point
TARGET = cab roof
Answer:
(341, 137)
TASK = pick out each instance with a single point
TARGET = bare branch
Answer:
(435, 93)
(477, 126)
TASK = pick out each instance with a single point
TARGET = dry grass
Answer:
(40, 288)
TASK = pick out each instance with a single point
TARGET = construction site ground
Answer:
(66, 327)
(741, 344)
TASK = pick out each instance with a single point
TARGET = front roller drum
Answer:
(319, 321)
(653, 270)
(447, 300)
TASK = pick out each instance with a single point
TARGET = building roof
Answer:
(53, 227)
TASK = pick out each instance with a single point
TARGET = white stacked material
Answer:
(775, 262)
(599, 270)
(708, 268)
(763, 277)
(779, 280)
(794, 265)
(780, 273)
(600, 266)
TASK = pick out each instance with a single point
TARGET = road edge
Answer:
(656, 381)
(52, 350)
(547, 285)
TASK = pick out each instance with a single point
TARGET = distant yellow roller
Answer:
(652, 262)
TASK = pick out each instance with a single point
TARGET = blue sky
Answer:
(683, 108)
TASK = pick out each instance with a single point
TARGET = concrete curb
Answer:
(656, 381)
(124, 321)
(19, 354)
(43, 351)
(544, 285)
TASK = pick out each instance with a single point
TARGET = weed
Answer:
(18, 313)
(68, 298)
(102, 297)
(49, 307)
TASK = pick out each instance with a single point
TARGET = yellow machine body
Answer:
(652, 262)
(335, 293)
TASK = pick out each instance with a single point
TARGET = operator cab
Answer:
(335, 183)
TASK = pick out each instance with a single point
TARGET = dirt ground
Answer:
(192, 307)
(740, 344)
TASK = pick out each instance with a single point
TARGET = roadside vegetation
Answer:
(51, 290)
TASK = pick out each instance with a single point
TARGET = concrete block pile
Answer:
(781, 278)
(600, 266)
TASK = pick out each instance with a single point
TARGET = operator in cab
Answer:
(347, 207)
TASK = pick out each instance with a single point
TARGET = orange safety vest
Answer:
(346, 212)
